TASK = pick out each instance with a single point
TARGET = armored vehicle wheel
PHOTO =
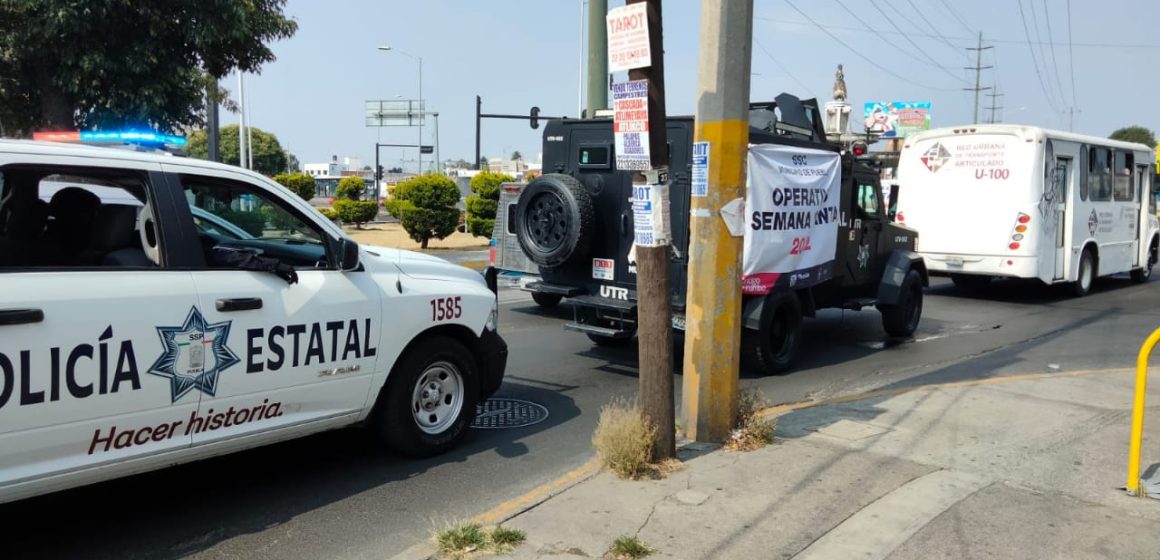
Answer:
(546, 300)
(901, 319)
(555, 220)
(774, 346)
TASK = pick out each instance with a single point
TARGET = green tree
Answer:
(425, 205)
(348, 204)
(103, 64)
(517, 156)
(269, 157)
(350, 188)
(357, 212)
(482, 205)
(300, 184)
(1137, 134)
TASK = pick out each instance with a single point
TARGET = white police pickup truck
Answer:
(156, 310)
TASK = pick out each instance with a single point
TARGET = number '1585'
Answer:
(446, 308)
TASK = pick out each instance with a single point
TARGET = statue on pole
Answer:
(840, 84)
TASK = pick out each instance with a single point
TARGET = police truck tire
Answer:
(971, 282)
(555, 220)
(1086, 275)
(546, 300)
(901, 319)
(429, 399)
(773, 348)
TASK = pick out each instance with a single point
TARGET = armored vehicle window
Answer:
(594, 156)
(867, 200)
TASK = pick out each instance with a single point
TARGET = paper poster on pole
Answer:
(792, 201)
(700, 182)
(630, 125)
(650, 214)
(628, 46)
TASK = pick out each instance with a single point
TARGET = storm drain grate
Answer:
(508, 413)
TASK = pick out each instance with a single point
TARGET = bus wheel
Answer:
(1142, 275)
(1087, 274)
(971, 282)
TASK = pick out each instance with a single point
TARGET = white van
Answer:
(1024, 202)
(156, 310)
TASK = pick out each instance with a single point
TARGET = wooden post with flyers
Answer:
(654, 298)
(721, 134)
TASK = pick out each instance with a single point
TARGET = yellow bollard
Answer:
(1133, 485)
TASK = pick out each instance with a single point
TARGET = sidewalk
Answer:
(1011, 469)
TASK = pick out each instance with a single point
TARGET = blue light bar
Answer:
(132, 136)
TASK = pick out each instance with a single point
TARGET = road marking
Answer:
(541, 493)
(790, 407)
(878, 529)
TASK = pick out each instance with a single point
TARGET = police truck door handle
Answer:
(239, 304)
(20, 316)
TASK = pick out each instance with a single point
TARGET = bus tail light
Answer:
(1024, 218)
(1014, 245)
(1017, 233)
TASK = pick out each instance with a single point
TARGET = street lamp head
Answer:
(385, 48)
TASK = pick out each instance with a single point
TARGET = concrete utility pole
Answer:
(994, 106)
(653, 296)
(978, 68)
(241, 121)
(597, 56)
(713, 310)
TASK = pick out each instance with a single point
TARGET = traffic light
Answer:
(535, 120)
(379, 173)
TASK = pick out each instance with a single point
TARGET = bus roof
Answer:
(1025, 131)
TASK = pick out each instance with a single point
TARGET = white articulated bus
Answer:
(1023, 202)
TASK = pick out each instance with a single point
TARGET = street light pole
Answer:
(422, 109)
(438, 162)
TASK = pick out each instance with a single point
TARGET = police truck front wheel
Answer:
(901, 319)
(774, 346)
(429, 399)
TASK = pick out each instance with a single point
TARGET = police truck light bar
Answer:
(110, 137)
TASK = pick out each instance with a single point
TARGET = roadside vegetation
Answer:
(624, 442)
(628, 547)
(752, 430)
(466, 539)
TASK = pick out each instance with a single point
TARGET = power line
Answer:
(1054, 63)
(869, 60)
(1042, 50)
(968, 40)
(931, 25)
(1071, 57)
(905, 36)
(785, 70)
(956, 15)
(1034, 61)
(895, 45)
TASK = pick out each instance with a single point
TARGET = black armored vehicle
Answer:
(576, 223)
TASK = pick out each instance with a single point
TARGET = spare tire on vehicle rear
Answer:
(555, 220)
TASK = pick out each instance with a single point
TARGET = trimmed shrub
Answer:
(482, 205)
(425, 206)
(357, 212)
(300, 184)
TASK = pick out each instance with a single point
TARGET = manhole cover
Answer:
(508, 413)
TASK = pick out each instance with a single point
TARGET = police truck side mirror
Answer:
(347, 255)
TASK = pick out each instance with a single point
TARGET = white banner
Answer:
(792, 212)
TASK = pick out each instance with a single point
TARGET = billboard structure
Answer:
(897, 119)
(394, 112)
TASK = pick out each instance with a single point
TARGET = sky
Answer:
(520, 53)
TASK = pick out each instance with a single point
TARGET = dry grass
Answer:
(392, 235)
(623, 440)
(465, 539)
(752, 431)
(628, 547)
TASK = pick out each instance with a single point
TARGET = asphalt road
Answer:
(336, 495)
